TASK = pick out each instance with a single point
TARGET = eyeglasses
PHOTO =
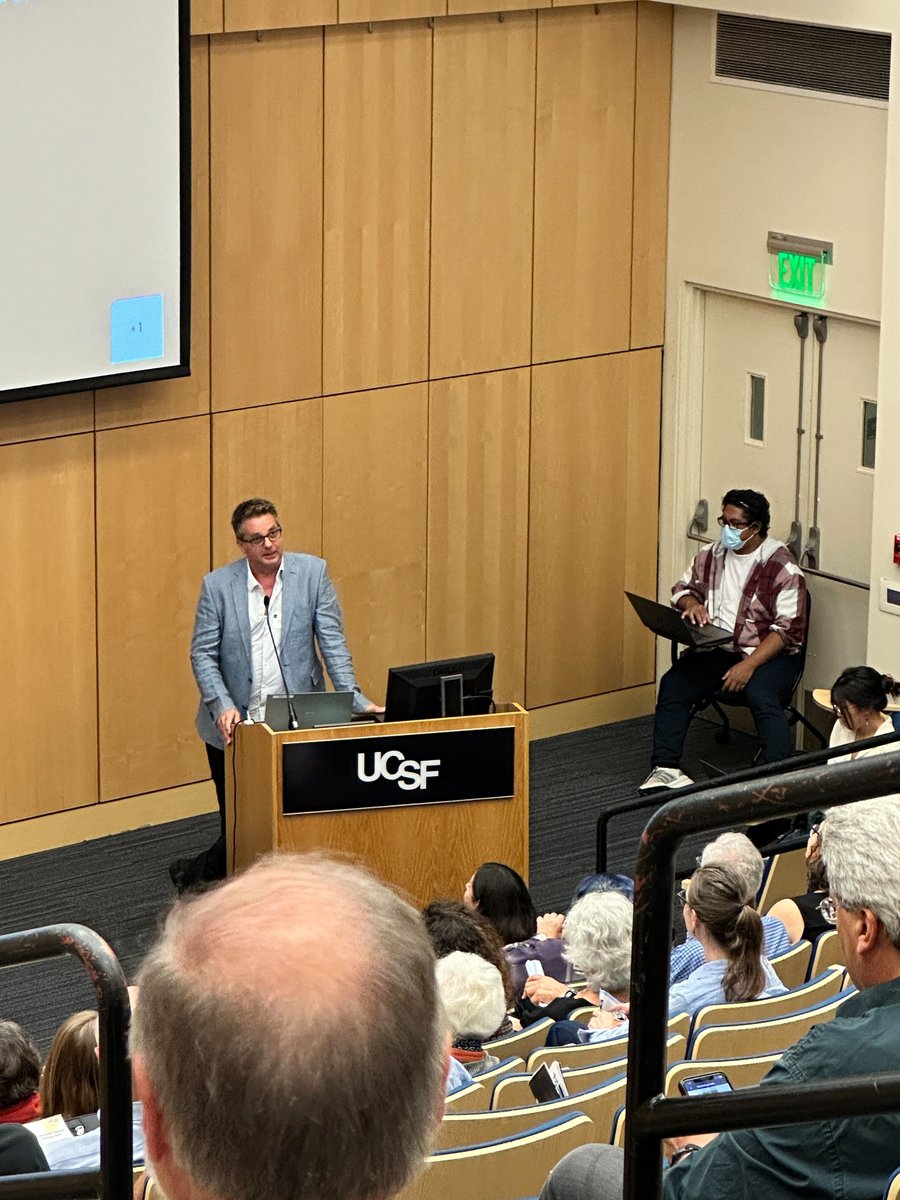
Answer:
(258, 538)
(814, 829)
(734, 524)
(681, 896)
(828, 909)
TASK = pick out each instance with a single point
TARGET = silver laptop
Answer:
(313, 710)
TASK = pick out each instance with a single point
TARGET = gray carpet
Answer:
(120, 886)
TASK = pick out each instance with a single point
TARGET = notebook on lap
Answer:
(666, 622)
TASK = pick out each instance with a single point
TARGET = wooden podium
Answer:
(404, 797)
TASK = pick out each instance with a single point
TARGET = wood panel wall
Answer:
(428, 288)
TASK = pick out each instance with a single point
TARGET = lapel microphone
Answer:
(293, 723)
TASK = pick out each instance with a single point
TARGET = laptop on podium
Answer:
(667, 622)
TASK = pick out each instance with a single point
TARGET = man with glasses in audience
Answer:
(850, 1157)
(266, 599)
(748, 582)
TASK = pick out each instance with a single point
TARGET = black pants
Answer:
(209, 865)
(698, 674)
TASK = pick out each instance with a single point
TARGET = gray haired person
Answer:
(289, 1042)
(850, 1157)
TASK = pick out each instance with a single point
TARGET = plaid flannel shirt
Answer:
(773, 600)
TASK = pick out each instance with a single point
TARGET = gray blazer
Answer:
(220, 646)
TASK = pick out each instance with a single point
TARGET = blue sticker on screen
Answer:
(136, 329)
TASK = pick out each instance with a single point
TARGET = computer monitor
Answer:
(450, 687)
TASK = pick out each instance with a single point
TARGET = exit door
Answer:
(789, 408)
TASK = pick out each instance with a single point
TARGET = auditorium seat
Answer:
(500, 1170)
(805, 996)
(751, 1038)
(792, 967)
(826, 952)
(466, 1129)
(514, 1092)
(593, 1054)
(522, 1042)
(784, 878)
(741, 1072)
(467, 1098)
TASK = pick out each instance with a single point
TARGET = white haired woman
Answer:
(471, 991)
(597, 936)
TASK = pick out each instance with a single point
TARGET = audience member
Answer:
(20, 1151)
(471, 993)
(717, 913)
(859, 699)
(70, 1081)
(501, 894)
(737, 852)
(802, 916)
(82, 1153)
(264, 1067)
(597, 938)
(603, 881)
(451, 925)
(20, 1075)
(851, 1157)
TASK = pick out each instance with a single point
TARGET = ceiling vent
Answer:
(812, 58)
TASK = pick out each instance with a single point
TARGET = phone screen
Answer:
(705, 1085)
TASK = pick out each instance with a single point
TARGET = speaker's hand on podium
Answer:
(226, 723)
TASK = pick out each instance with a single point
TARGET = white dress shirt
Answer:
(266, 674)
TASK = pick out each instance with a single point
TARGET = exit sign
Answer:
(797, 266)
(797, 274)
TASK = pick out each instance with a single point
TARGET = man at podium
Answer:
(256, 631)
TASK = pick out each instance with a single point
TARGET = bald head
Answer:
(289, 1035)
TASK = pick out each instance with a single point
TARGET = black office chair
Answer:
(716, 700)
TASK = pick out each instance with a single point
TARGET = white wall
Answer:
(748, 160)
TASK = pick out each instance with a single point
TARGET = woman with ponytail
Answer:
(719, 913)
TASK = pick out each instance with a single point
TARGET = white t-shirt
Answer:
(734, 580)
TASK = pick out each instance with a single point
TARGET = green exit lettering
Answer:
(795, 273)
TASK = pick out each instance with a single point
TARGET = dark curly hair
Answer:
(754, 504)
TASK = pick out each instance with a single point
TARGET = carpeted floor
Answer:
(120, 886)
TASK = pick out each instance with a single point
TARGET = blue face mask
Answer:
(730, 538)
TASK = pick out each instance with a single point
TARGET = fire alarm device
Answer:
(897, 549)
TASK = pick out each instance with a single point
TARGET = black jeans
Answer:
(209, 865)
(699, 673)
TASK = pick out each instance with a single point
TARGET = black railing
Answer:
(114, 1181)
(763, 771)
(650, 1115)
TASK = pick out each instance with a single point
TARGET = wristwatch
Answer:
(683, 1152)
(570, 994)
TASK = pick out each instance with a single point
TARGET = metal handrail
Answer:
(650, 1115)
(114, 1180)
(764, 770)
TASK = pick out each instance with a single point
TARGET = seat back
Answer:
(826, 952)
(828, 984)
(752, 1038)
(508, 1066)
(513, 1091)
(892, 1190)
(741, 1072)
(792, 967)
(467, 1129)
(595, 1053)
(617, 1136)
(516, 1166)
(784, 878)
(522, 1042)
(468, 1098)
